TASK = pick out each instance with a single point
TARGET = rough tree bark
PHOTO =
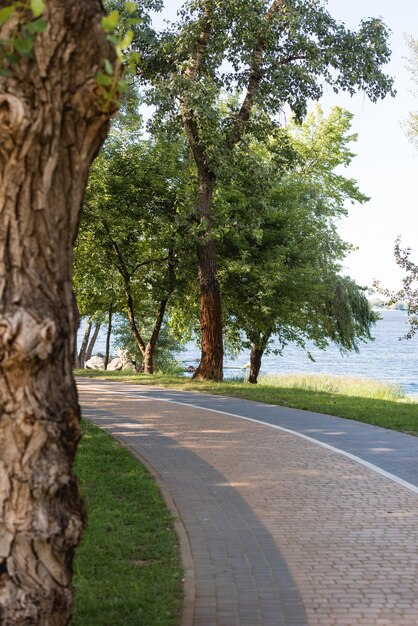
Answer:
(255, 364)
(258, 347)
(51, 127)
(211, 361)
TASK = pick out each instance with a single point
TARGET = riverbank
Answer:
(361, 400)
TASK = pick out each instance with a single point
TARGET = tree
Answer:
(409, 291)
(268, 56)
(137, 215)
(413, 118)
(53, 120)
(280, 267)
(164, 354)
(97, 288)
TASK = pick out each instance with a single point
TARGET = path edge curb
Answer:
(189, 584)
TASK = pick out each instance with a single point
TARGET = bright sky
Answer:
(386, 166)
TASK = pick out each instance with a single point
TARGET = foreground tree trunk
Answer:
(50, 130)
(211, 362)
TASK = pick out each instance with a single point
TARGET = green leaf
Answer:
(113, 39)
(109, 22)
(108, 67)
(130, 7)
(103, 80)
(12, 58)
(37, 26)
(122, 86)
(5, 72)
(37, 7)
(6, 13)
(134, 21)
(127, 40)
(24, 46)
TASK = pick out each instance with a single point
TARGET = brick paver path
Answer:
(282, 531)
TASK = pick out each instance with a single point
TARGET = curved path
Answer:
(310, 522)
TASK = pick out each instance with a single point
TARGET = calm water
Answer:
(387, 358)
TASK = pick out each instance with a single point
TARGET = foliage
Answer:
(280, 259)
(409, 292)
(165, 361)
(24, 20)
(127, 569)
(226, 69)
(413, 119)
(96, 285)
(291, 49)
(137, 229)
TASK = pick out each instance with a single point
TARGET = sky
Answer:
(386, 165)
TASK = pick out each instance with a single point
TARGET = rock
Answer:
(115, 365)
(123, 355)
(95, 363)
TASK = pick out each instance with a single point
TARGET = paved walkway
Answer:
(282, 531)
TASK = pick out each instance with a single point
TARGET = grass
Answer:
(358, 399)
(127, 570)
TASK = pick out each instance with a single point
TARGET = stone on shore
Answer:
(116, 365)
(95, 363)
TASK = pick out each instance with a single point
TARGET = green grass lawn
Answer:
(357, 399)
(127, 569)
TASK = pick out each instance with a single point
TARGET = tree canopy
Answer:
(224, 69)
(280, 261)
(137, 219)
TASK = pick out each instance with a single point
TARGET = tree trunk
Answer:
(108, 335)
(50, 130)
(255, 363)
(148, 365)
(131, 317)
(92, 342)
(211, 362)
(81, 358)
(151, 345)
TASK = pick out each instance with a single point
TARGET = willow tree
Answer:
(281, 256)
(53, 118)
(269, 54)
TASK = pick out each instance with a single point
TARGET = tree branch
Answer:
(191, 74)
(160, 316)
(254, 81)
(143, 263)
(196, 59)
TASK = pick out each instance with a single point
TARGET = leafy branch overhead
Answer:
(109, 78)
(409, 291)
(21, 32)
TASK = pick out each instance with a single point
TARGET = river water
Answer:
(387, 358)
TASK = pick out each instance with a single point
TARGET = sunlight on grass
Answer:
(372, 402)
(344, 385)
(127, 569)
